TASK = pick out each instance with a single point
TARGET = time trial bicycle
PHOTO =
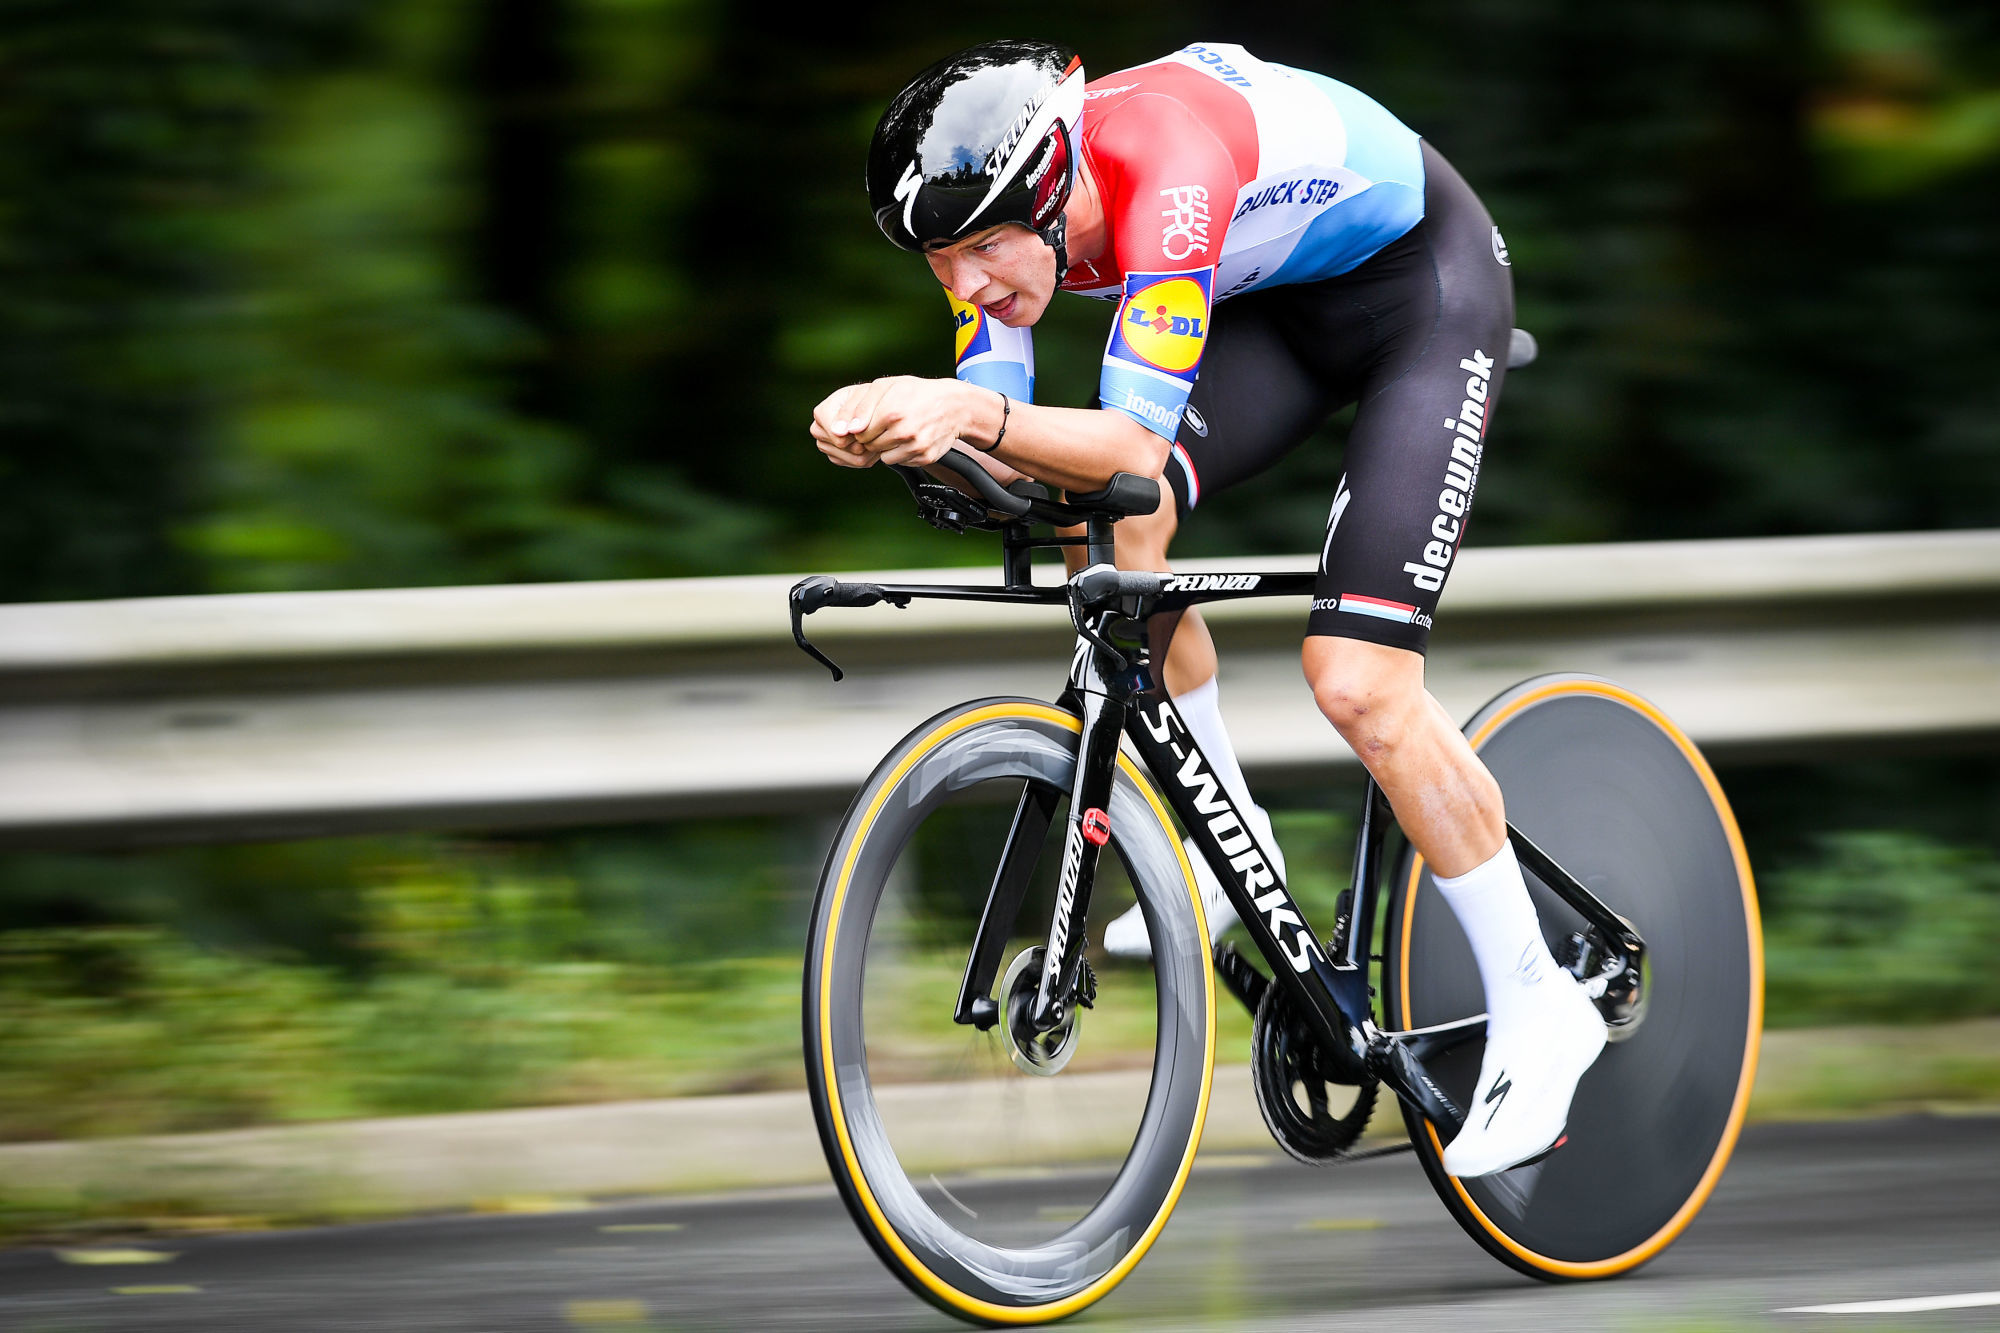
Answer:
(1010, 1118)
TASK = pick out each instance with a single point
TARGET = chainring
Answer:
(1291, 1071)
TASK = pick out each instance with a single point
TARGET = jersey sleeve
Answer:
(992, 355)
(1177, 183)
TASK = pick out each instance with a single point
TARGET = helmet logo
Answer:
(1049, 179)
(906, 194)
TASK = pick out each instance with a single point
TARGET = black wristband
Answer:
(1006, 409)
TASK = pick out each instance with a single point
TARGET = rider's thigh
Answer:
(1413, 456)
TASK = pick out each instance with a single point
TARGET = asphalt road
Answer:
(1807, 1215)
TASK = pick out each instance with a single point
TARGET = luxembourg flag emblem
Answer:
(1375, 606)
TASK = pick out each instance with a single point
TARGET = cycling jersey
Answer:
(1280, 246)
(1219, 174)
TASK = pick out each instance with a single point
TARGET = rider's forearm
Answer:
(1074, 448)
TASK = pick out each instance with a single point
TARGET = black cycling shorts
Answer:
(1417, 336)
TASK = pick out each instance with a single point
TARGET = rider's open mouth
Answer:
(1002, 309)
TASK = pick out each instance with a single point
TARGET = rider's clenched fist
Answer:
(897, 419)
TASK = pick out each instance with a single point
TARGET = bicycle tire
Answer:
(961, 1274)
(1608, 785)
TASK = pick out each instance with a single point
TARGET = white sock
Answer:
(1201, 711)
(1492, 905)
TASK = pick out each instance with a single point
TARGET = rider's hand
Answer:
(900, 419)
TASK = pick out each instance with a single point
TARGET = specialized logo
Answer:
(1502, 1085)
(1187, 221)
(1461, 474)
(1214, 582)
(1096, 826)
(968, 329)
(906, 193)
(1500, 249)
(1341, 495)
(1072, 868)
(1164, 321)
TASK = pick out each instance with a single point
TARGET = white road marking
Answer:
(1908, 1306)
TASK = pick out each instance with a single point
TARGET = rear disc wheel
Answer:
(1607, 785)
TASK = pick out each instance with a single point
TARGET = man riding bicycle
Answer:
(1279, 246)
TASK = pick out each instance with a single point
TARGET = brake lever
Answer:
(819, 590)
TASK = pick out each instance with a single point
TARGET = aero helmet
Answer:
(982, 137)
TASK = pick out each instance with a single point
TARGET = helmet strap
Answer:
(1056, 237)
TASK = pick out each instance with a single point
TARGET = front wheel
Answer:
(1001, 1180)
(1601, 780)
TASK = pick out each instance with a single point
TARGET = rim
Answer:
(967, 1276)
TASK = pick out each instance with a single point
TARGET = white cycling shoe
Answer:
(1528, 1077)
(1125, 936)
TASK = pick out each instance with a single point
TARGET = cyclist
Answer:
(1278, 246)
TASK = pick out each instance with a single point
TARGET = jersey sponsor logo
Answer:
(1500, 248)
(1167, 418)
(1461, 474)
(1187, 221)
(969, 333)
(1046, 183)
(1196, 422)
(1214, 582)
(1217, 66)
(1164, 321)
(1109, 92)
(1304, 191)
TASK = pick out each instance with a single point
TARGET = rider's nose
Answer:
(966, 281)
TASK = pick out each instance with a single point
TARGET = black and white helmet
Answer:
(982, 137)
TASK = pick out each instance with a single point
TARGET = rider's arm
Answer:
(1076, 448)
(1175, 186)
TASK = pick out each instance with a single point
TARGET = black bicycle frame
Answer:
(1119, 617)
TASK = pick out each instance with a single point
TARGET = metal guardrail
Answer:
(272, 715)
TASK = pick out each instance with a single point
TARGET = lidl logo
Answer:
(1163, 324)
(968, 322)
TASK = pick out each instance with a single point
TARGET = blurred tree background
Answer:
(343, 293)
(338, 293)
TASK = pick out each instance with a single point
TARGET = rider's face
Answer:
(1008, 270)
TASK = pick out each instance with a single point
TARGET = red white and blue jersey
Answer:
(1219, 174)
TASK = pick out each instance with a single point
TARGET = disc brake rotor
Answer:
(1040, 1053)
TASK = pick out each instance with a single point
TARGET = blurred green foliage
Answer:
(205, 988)
(319, 293)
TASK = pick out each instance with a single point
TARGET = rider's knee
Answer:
(1366, 691)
